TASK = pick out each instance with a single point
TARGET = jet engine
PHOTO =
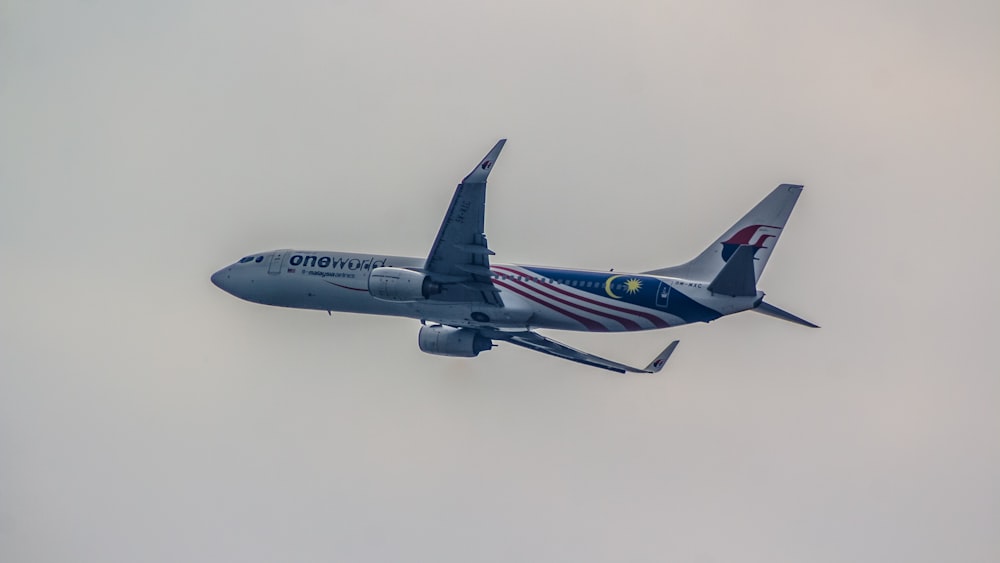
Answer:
(400, 284)
(451, 341)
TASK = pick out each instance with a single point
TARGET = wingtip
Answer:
(661, 360)
(482, 170)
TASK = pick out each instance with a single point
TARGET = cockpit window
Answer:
(259, 259)
(246, 259)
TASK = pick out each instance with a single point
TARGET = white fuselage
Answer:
(533, 297)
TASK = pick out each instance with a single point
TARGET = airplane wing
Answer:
(537, 342)
(459, 259)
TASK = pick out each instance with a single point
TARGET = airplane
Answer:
(465, 302)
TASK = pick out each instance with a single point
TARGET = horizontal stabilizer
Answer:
(737, 277)
(772, 311)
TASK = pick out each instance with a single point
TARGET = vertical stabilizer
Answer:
(759, 230)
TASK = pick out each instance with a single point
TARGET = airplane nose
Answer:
(219, 278)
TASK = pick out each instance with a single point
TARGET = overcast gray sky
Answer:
(147, 416)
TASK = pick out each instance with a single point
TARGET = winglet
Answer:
(482, 170)
(661, 360)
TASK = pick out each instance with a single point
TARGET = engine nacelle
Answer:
(400, 284)
(451, 341)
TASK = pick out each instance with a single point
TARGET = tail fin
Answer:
(759, 229)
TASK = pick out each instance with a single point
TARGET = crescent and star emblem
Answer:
(632, 286)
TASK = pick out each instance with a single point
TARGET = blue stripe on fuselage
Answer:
(595, 283)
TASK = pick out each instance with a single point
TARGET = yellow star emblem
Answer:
(633, 285)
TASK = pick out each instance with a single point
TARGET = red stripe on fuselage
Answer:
(657, 321)
(628, 324)
(589, 323)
